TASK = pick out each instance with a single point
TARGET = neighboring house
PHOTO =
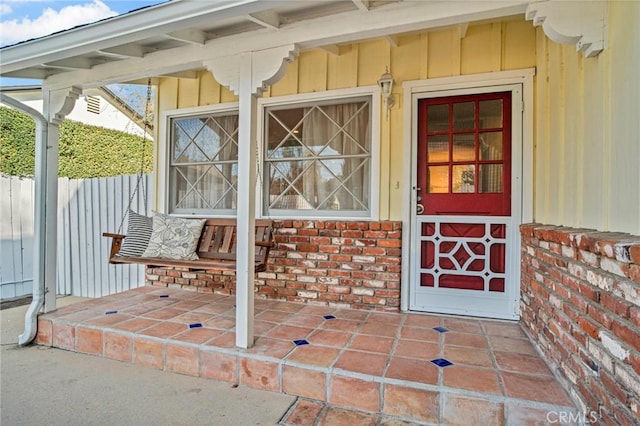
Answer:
(407, 150)
(96, 107)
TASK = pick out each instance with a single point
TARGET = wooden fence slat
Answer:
(124, 194)
(60, 242)
(114, 273)
(88, 235)
(26, 232)
(102, 246)
(112, 227)
(64, 244)
(77, 237)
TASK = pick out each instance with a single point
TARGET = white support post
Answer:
(56, 104)
(246, 205)
(247, 75)
(50, 186)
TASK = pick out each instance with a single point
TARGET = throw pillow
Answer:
(138, 234)
(174, 237)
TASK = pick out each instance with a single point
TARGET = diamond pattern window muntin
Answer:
(204, 163)
(318, 157)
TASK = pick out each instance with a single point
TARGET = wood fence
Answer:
(86, 208)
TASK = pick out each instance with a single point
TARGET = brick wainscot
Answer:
(348, 264)
(581, 305)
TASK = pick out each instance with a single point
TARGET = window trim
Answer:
(164, 154)
(306, 98)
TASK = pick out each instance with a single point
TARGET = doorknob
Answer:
(419, 208)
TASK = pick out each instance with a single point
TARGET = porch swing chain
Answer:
(143, 142)
(147, 117)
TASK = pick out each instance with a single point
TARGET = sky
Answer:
(22, 20)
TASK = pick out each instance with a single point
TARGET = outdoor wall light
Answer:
(386, 86)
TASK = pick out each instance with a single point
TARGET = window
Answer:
(203, 163)
(317, 158)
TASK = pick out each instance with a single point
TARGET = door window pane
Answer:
(438, 149)
(464, 116)
(464, 147)
(438, 179)
(490, 113)
(437, 118)
(490, 177)
(491, 146)
(463, 179)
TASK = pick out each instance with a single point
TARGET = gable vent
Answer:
(93, 104)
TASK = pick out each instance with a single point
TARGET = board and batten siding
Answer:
(587, 132)
(86, 209)
(498, 46)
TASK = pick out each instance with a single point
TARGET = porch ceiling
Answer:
(139, 44)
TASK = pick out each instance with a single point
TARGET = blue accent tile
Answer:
(195, 325)
(164, 296)
(300, 342)
(328, 317)
(111, 312)
(441, 362)
(440, 329)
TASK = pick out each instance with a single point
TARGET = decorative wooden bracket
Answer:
(59, 103)
(267, 67)
(571, 22)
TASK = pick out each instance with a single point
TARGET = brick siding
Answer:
(351, 264)
(581, 305)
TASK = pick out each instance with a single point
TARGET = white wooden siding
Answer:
(86, 209)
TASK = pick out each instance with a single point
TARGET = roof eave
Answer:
(34, 60)
(128, 28)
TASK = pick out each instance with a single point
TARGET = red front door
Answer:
(463, 177)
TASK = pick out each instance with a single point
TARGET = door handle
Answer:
(419, 208)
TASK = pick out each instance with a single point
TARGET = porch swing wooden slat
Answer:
(216, 248)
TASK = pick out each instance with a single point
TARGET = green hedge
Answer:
(85, 151)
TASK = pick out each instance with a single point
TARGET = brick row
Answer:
(352, 264)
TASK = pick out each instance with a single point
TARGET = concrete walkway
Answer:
(41, 385)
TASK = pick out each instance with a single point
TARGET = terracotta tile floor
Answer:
(358, 367)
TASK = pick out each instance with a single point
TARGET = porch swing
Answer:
(216, 245)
